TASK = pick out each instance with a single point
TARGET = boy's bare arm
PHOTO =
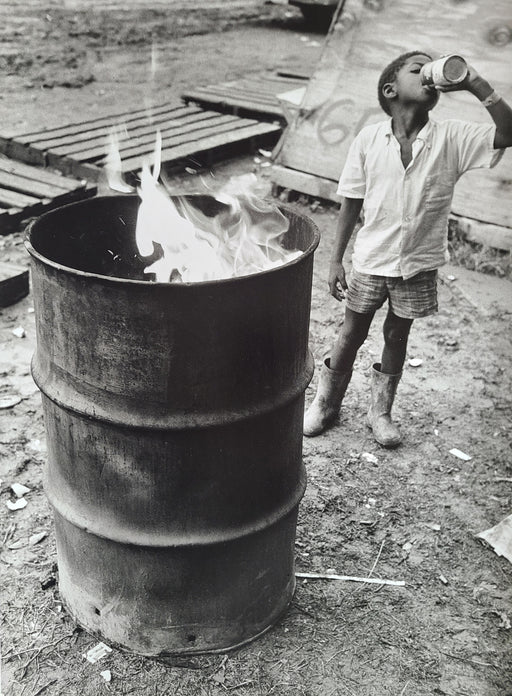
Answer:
(349, 213)
(498, 109)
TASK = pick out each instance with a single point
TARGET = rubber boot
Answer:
(379, 420)
(326, 404)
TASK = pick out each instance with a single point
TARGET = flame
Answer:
(113, 161)
(244, 237)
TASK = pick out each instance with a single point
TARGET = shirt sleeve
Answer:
(475, 146)
(352, 183)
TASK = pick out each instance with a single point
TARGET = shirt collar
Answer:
(425, 134)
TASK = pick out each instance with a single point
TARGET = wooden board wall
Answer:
(342, 93)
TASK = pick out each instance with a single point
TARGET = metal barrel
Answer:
(174, 424)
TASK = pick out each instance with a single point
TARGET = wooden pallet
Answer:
(26, 190)
(254, 95)
(79, 149)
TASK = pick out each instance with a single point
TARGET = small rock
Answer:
(19, 489)
(36, 538)
(9, 401)
(107, 675)
(18, 505)
(415, 362)
(48, 581)
(19, 332)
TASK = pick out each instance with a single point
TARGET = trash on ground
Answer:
(415, 362)
(443, 579)
(9, 401)
(48, 581)
(434, 526)
(36, 538)
(19, 489)
(461, 455)
(107, 675)
(369, 457)
(19, 544)
(500, 538)
(97, 653)
(18, 505)
(19, 332)
(350, 578)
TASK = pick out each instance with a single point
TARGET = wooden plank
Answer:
(306, 183)
(13, 199)
(485, 234)
(39, 174)
(222, 137)
(14, 283)
(39, 189)
(341, 94)
(102, 121)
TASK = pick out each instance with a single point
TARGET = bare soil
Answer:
(410, 514)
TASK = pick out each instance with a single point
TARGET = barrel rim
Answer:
(149, 283)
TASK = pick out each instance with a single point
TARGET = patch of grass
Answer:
(477, 257)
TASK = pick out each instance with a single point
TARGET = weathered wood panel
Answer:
(342, 93)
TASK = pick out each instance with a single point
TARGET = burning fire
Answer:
(243, 238)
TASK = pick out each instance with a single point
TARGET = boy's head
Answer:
(403, 75)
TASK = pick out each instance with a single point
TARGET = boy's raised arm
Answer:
(349, 213)
(498, 109)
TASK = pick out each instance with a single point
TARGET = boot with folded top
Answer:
(326, 405)
(378, 419)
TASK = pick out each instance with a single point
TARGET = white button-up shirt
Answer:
(405, 210)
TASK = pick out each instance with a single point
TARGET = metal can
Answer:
(444, 72)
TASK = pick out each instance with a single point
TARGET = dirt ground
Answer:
(410, 514)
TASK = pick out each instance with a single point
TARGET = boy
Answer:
(401, 172)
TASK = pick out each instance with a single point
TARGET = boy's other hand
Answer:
(337, 281)
(471, 79)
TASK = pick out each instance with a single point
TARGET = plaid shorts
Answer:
(409, 299)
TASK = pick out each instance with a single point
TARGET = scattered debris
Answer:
(97, 653)
(443, 579)
(415, 362)
(36, 446)
(461, 455)
(9, 401)
(434, 526)
(505, 621)
(500, 538)
(19, 489)
(48, 581)
(18, 505)
(350, 578)
(107, 675)
(36, 538)
(20, 544)
(19, 332)
(369, 457)
(451, 277)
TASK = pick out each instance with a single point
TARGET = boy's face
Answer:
(408, 84)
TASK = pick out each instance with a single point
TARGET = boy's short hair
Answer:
(390, 72)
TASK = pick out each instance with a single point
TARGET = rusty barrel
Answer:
(174, 425)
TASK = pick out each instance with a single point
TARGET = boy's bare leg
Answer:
(396, 333)
(352, 336)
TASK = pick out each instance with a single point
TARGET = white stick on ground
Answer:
(351, 578)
